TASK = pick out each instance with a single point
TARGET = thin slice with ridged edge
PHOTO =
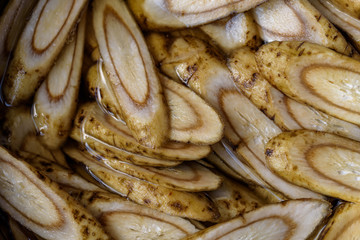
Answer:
(12, 21)
(59, 174)
(344, 224)
(170, 14)
(40, 43)
(314, 75)
(188, 176)
(234, 32)
(287, 113)
(233, 199)
(191, 205)
(123, 219)
(132, 74)
(293, 219)
(54, 104)
(191, 119)
(298, 20)
(323, 162)
(342, 17)
(91, 121)
(40, 205)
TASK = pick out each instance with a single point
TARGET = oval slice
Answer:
(133, 78)
(90, 120)
(184, 204)
(323, 162)
(314, 75)
(40, 205)
(294, 219)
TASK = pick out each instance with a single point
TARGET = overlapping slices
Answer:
(323, 162)
(293, 219)
(280, 20)
(193, 62)
(287, 113)
(40, 205)
(314, 75)
(170, 14)
(39, 45)
(344, 14)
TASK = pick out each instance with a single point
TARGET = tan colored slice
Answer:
(66, 177)
(56, 100)
(12, 21)
(234, 32)
(190, 205)
(191, 118)
(91, 121)
(298, 20)
(127, 220)
(287, 113)
(132, 74)
(40, 43)
(19, 232)
(347, 20)
(234, 199)
(344, 224)
(314, 75)
(97, 146)
(40, 205)
(170, 14)
(323, 162)
(188, 176)
(294, 219)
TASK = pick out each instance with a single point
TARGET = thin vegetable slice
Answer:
(132, 74)
(185, 204)
(191, 118)
(294, 219)
(314, 75)
(341, 14)
(127, 220)
(344, 224)
(170, 14)
(38, 47)
(40, 205)
(323, 162)
(287, 113)
(298, 20)
(91, 121)
(55, 101)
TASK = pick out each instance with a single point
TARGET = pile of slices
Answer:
(164, 119)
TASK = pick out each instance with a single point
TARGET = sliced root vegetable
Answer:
(294, 219)
(287, 113)
(234, 32)
(12, 21)
(191, 118)
(346, 19)
(298, 20)
(344, 224)
(132, 74)
(170, 14)
(185, 204)
(234, 199)
(126, 220)
(188, 176)
(18, 124)
(314, 75)
(38, 47)
(91, 121)
(40, 205)
(276, 183)
(55, 101)
(323, 162)
(63, 176)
